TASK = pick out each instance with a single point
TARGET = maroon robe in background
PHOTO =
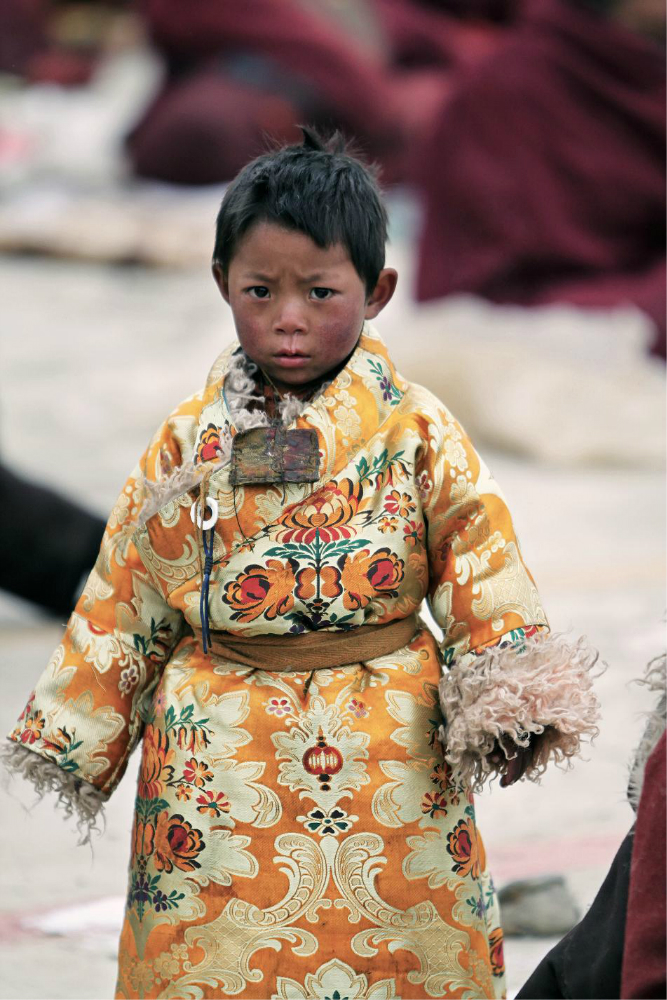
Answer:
(236, 72)
(22, 35)
(644, 976)
(544, 178)
(239, 70)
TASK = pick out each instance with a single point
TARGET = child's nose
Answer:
(290, 318)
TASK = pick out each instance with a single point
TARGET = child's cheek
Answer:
(338, 335)
(250, 332)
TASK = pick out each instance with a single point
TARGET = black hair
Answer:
(318, 188)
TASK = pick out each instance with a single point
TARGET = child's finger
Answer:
(516, 767)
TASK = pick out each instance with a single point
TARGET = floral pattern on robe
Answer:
(291, 842)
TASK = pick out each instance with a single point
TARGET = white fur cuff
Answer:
(545, 686)
(74, 794)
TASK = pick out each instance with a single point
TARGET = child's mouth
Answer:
(291, 360)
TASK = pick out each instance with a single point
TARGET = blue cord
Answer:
(203, 597)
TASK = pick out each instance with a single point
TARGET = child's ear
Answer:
(221, 280)
(382, 293)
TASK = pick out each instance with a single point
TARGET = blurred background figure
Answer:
(48, 544)
(544, 176)
(377, 69)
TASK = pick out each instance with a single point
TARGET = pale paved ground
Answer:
(82, 389)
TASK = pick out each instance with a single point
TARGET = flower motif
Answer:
(262, 590)
(213, 803)
(434, 803)
(399, 503)
(32, 728)
(128, 679)
(141, 889)
(144, 838)
(279, 706)
(141, 975)
(414, 533)
(364, 576)
(326, 515)
(387, 388)
(177, 844)
(348, 421)
(183, 793)
(463, 846)
(477, 906)
(192, 738)
(322, 822)
(329, 580)
(455, 453)
(209, 446)
(197, 773)
(441, 774)
(358, 708)
(160, 903)
(166, 965)
(160, 703)
(335, 981)
(156, 766)
(496, 951)
(60, 743)
(424, 485)
(388, 524)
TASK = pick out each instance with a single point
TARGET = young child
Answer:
(304, 822)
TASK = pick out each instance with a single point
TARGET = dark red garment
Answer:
(339, 69)
(422, 34)
(22, 35)
(239, 72)
(544, 177)
(644, 976)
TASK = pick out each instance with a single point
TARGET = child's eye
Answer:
(258, 292)
(321, 294)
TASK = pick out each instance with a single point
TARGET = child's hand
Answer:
(516, 760)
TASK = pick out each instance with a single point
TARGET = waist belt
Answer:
(309, 651)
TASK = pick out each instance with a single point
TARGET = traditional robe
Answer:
(294, 841)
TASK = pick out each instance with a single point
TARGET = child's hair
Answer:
(317, 188)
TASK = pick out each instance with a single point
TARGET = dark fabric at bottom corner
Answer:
(587, 962)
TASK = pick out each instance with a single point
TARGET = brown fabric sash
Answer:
(309, 651)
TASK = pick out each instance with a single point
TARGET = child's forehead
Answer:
(266, 244)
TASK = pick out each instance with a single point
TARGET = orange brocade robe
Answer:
(291, 843)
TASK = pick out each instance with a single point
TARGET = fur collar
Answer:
(246, 409)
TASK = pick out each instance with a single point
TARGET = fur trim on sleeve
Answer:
(544, 687)
(75, 795)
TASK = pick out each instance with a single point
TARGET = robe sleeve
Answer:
(503, 673)
(84, 718)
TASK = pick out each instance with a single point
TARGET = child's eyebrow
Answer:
(256, 276)
(307, 279)
(318, 276)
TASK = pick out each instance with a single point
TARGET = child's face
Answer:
(298, 309)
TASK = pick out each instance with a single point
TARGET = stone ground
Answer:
(85, 381)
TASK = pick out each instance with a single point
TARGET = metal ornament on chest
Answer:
(275, 455)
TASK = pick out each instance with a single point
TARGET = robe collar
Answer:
(346, 413)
